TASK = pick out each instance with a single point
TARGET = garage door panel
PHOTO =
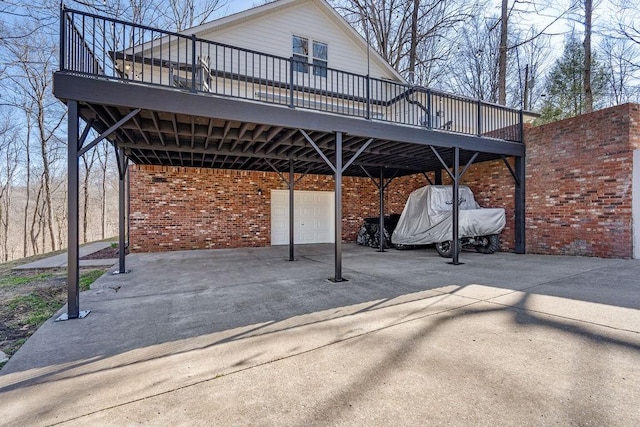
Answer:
(313, 217)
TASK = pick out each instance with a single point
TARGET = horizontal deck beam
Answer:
(91, 90)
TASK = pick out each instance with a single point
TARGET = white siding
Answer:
(255, 76)
(271, 33)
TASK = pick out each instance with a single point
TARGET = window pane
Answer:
(300, 45)
(319, 68)
(320, 50)
(300, 64)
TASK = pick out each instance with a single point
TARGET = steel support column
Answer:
(381, 187)
(338, 209)
(456, 206)
(339, 168)
(291, 211)
(520, 226)
(73, 223)
(123, 168)
(438, 176)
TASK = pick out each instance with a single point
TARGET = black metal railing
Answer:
(100, 46)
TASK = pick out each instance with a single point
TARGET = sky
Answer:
(240, 5)
(539, 20)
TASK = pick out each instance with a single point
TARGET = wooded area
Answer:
(557, 57)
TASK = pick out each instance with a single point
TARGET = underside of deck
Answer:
(174, 127)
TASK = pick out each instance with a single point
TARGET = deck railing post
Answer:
(521, 126)
(429, 112)
(193, 63)
(368, 97)
(291, 82)
(62, 38)
(479, 118)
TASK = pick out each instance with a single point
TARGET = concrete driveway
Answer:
(244, 337)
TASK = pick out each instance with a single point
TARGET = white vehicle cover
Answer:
(427, 217)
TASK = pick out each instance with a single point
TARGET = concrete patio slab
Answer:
(243, 337)
(60, 260)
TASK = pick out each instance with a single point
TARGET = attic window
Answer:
(319, 59)
(301, 56)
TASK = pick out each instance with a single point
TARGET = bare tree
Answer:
(183, 14)
(33, 61)
(628, 25)
(535, 57)
(588, 92)
(502, 56)
(88, 166)
(619, 56)
(518, 12)
(8, 165)
(475, 71)
(103, 159)
(412, 36)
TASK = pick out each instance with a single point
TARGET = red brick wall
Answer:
(578, 185)
(493, 187)
(175, 208)
(578, 198)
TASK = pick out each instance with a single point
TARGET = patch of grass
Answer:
(21, 280)
(86, 279)
(14, 346)
(28, 298)
(36, 307)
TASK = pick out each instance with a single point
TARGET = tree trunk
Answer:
(88, 166)
(35, 232)
(46, 174)
(588, 93)
(525, 96)
(85, 209)
(103, 210)
(413, 52)
(28, 189)
(502, 59)
(5, 206)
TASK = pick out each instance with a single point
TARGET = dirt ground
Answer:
(25, 297)
(29, 297)
(106, 253)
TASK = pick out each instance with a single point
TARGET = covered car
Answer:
(428, 218)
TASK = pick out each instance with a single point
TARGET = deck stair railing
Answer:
(110, 48)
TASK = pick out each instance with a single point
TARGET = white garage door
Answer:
(313, 217)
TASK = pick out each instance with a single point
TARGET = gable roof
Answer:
(279, 5)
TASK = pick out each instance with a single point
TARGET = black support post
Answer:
(338, 209)
(73, 223)
(73, 250)
(456, 206)
(122, 212)
(291, 211)
(438, 176)
(381, 187)
(520, 206)
(123, 169)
